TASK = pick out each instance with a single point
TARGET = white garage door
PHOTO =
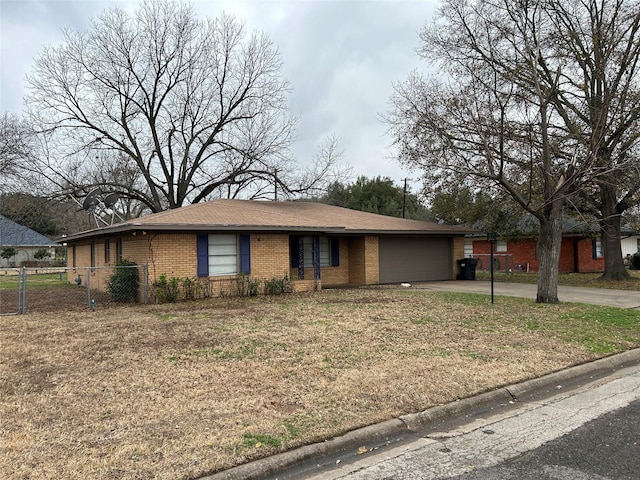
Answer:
(414, 259)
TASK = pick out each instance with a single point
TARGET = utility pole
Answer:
(404, 198)
(275, 184)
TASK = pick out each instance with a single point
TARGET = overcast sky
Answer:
(341, 58)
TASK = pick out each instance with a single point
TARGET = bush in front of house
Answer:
(167, 289)
(278, 286)
(123, 283)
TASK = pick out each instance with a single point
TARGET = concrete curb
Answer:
(392, 431)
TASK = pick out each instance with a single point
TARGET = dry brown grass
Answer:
(177, 391)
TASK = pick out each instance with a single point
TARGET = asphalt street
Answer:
(605, 448)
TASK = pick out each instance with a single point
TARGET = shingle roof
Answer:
(13, 234)
(249, 215)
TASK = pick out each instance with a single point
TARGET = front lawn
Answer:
(178, 391)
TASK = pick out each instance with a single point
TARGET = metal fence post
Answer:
(23, 290)
(88, 287)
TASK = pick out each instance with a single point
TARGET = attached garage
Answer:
(414, 259)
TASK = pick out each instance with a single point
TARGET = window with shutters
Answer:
(221, 254)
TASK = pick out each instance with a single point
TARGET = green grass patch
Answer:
(259, 440)
(58, 280)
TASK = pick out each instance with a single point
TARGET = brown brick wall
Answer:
(269, 255)
(524, 254)
(364, 260)
(170, 254)
(458, 253)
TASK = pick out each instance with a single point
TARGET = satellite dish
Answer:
(91, 199)
(110, 200)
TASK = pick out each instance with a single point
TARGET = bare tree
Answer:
(15, 149)
(198, 107)
(507, 114)
(598, 42)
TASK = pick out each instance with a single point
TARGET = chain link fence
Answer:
(50, 289)
(502, 262)
(11, 291)
(59, 289)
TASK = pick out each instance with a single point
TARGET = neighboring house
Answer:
(25, 241)
(580, 251)
(311, 243)
(630, 243)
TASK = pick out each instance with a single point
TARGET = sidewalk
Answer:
(594, 296)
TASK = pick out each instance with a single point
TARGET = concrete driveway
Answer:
(594, 296)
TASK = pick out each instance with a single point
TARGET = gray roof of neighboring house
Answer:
(529, 226)
(289, 216)
(13, 234)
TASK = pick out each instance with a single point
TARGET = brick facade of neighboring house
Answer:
(578, 254)
(267, 240)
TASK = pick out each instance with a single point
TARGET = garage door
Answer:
(414, 259)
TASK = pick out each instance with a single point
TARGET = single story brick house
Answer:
(580, 251)
(578, 254)
(311, 243)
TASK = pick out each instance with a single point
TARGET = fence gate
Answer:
(11, 285)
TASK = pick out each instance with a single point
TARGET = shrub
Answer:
(193, 288)
(8, 252)
(247, 286)
(167, 289)
(41, 254)
(123, 283)
(277, 286)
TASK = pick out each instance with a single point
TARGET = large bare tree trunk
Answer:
(614, 268)
(548, 254)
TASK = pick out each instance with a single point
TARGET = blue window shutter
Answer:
(202, 249)
(335, 252)
(316, 256)
(245, 254)
(293, 251)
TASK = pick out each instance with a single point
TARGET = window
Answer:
(325, 257)
(468, 248)
(74, 254)
(107, 251)
(223, 254)
(93, 255)
(597, 248)
(329, 251)
(118, 250)
(501, 246)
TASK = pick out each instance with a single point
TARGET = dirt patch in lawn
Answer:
(178, 391)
